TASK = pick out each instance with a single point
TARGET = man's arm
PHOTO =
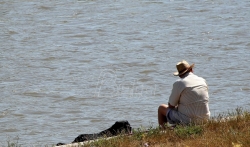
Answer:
(175, 95)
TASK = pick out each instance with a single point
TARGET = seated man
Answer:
(188, 102)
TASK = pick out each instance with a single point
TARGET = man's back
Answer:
(190, 93)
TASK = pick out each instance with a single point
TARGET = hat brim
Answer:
(179, 74)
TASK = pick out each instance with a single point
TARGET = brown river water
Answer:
(76, 66)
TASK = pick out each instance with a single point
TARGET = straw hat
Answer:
(182, 68)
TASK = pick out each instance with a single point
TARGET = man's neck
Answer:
(185, 75)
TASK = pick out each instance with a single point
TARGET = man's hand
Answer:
(170, 106)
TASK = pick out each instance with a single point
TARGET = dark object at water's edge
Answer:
(118, 128)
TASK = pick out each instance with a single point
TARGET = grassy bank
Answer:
(230, 130)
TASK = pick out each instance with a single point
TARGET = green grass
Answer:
(187, 131)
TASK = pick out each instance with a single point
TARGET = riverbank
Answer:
(231, 129)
